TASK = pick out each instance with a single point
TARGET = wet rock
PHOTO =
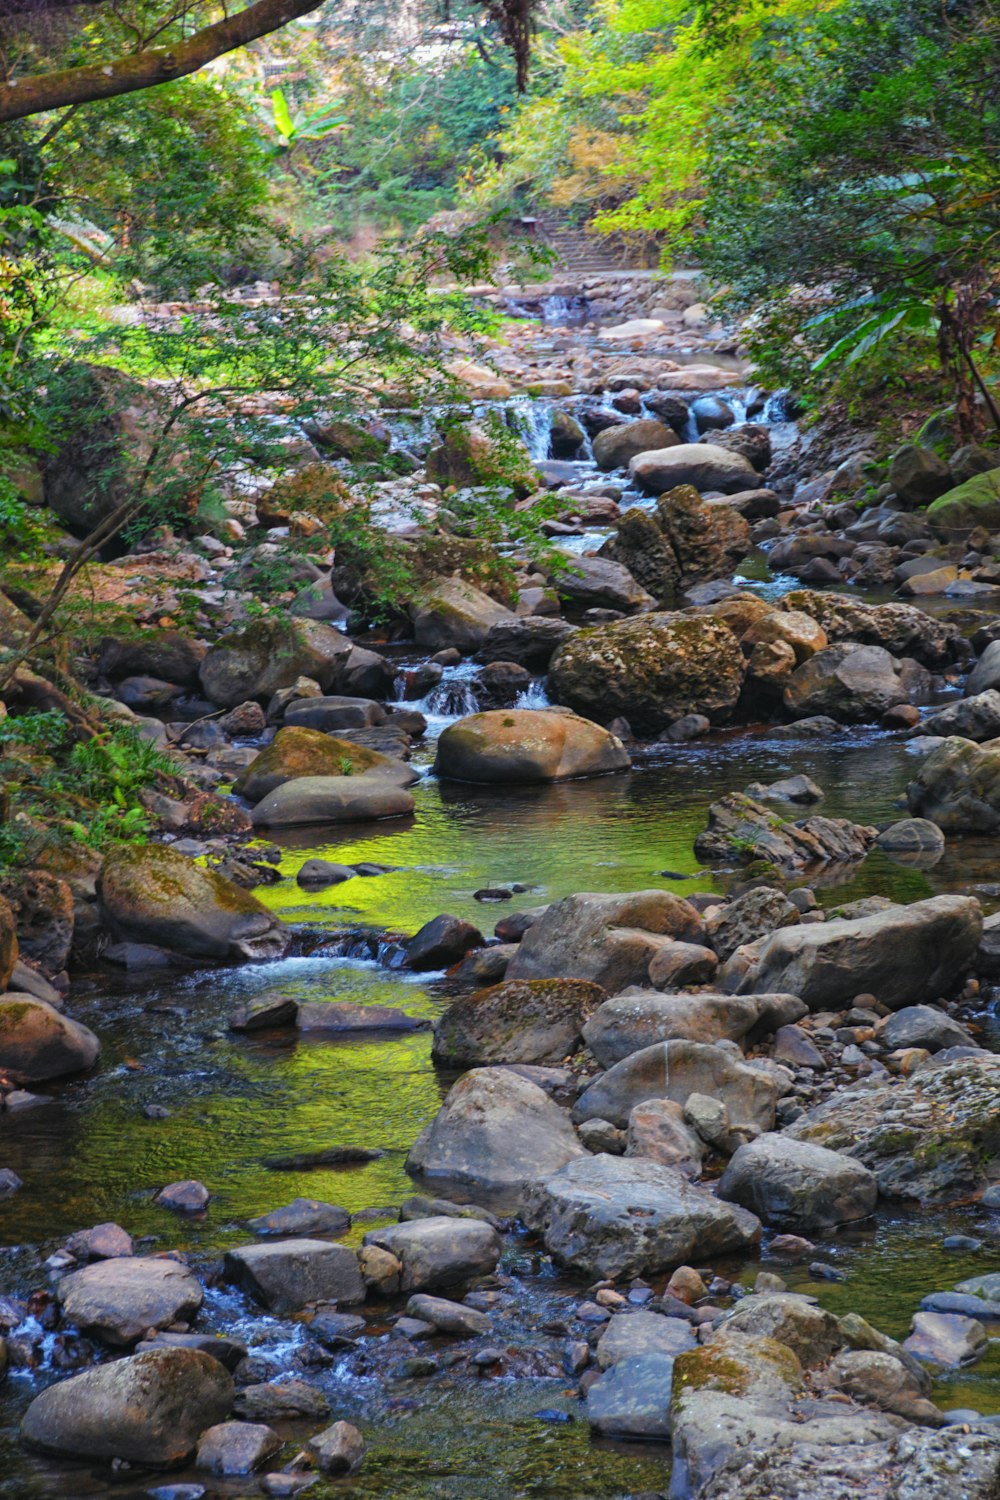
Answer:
(448, 1317)
(742, 830)
(317, 873)
(103, 1242)
(609, 940)
(518, 746)
(118, 1300)
(494, 1132)
(651, 670)
(263, 1012)
(632, 1399)
(792, 1185)
(657, 1131)
(441, 942)
(976, 718)
(338, 1449)
(946, 1339)
(637, 1018)
(280, 1401)
(675, 1070)
(608, 1216)
(152, 895)
(630, 1335)
(303, 1216)
(439, 1252)
(535, 1021)
(188, 1197)
(590, 582)
(228, 1351)
(527, 641)
(231, 1448)
(451, 612)
(615, 446)
(147, 1409)
(852, 684)
(346, 1016)
(958, 787)
(297, 751)
(38, 1042)
(924, 1026)
(911, 836)
(271, 654)
(283, 1277)
(703, 465)
(312, 800)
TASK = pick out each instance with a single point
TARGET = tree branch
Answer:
(143, 70)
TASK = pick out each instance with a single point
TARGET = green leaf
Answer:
(282, 117)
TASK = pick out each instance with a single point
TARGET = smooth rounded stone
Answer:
(598, 582)
(102, 1242)
(882, 1380)
(236, 1448)
(228, 1351)
(615, 446)
(448, 1317)
(600, 1136)
(958, 787)
(322, 872)
(675, 1070)
(986, 1286)
(118, 1300)
(976, 718)
(811, 1333)
(632, 1399)
(518, 746)
(793, 1185)
(328, 714)
(348, 1016)
(533, 1021)
(147, 1409)
(985, 675)
(962, 1303)
(441, 942)
(303, 1216)
(271, 654)
(283, 1277)
(911, 836)
(297, 751)
(188, 1197)
(337, 1329)
(263, 1012)
(991, 1197)
(451, 612)
(494, 1132)
(629, 1335)
(657, 1131)
(675, 965)
(903, 955)
(637, 1018)
(331, 799)
(607, 939)
(338, 1449)
(608, 1216)
(706, 466)
(439, 1252)
(961, 1242)
(946, 1339)
(280, 1401)
(851, 683)
(924, 1026)
(651, 670)
(151, 894)
(38, 1042)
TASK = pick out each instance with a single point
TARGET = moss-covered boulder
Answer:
(452, 612)
(536, 1021)
(297, 751)
(151, 894)
(38, 1042)
(8, 944)
(520, 746)
(270, 654)
(652, 670)
(974, 503)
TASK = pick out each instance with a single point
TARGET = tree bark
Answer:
(143, 70)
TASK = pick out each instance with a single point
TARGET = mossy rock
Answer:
(269, 654)
(37, 1042)
(974, 503)
(532, 1021)
(296, 751)
(738, 1366)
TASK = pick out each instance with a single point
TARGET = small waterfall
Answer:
(452, 698)
(532, 422)
(534, 696)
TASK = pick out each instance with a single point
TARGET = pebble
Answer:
(961, 1242)
(824, 1272)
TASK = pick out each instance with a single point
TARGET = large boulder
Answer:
(284, 1276)
(38, 1042)
(609, 940)
(852, 684)
(439, 1252)
(148, 1409)
(638, 1018)
(707, 540)
(918, 475)
(900, 629)
(615, 446)
(652, 670)
(621, 1217)
(974, 503)
(703, 465)
(676, 1070)
(599, 582)
(532, 1021)
(933, 1137)
(528, 640)
(269, 654)
(793, 1185)
(638, 543)
(451, 612)
(151, 894)
(296, 751)
(958, 787)
(118, 1300)
(902, 955)
(494, 1132)
(520, 745)
(971, 718)
(310, 800)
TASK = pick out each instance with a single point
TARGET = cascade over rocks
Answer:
(522, 746)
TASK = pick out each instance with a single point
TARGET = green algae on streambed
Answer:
(235, 1100)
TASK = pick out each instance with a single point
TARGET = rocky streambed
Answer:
(593, 1103)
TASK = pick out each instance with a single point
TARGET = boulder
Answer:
(118, 1300)
(932, 1137)
(741, 830)
(337, 1449)
(611, 1216)
(924, 1026)
(38, 1042)
(793, 1185)
(976, 502)
(167, 654)
(441, 942)
(917, 475)
(637, 1018)
(303, 1216)
(312, 800)
(675, 1070)
(42, 907)
(651, 670)
(708, 541)
(518, 746)
(439, 1252)
(608, 940)
(946, 1339)
(985, 675)
(794, 1321)
(590, 582)
(269, 654)
(976, 718)
(147, 1409)
(751, 916)
(448, 1317)
(348, 1016)
(284, 1276)
(528, 641)
(852, 684)
(629, 1335)
(451, 612)
(296, 752)
(632, 1399)
(495, 1131)
(638, 543)
(900, 629)
(330, 715)
(706, 466)
(151, 894)
(8, 944)
(657, 1130)
(958, 787)
(535, 1021)
(231, 1448)
(902, 955)
(280, 1401)
(469, 454)
(915, 839)
(616, 446)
